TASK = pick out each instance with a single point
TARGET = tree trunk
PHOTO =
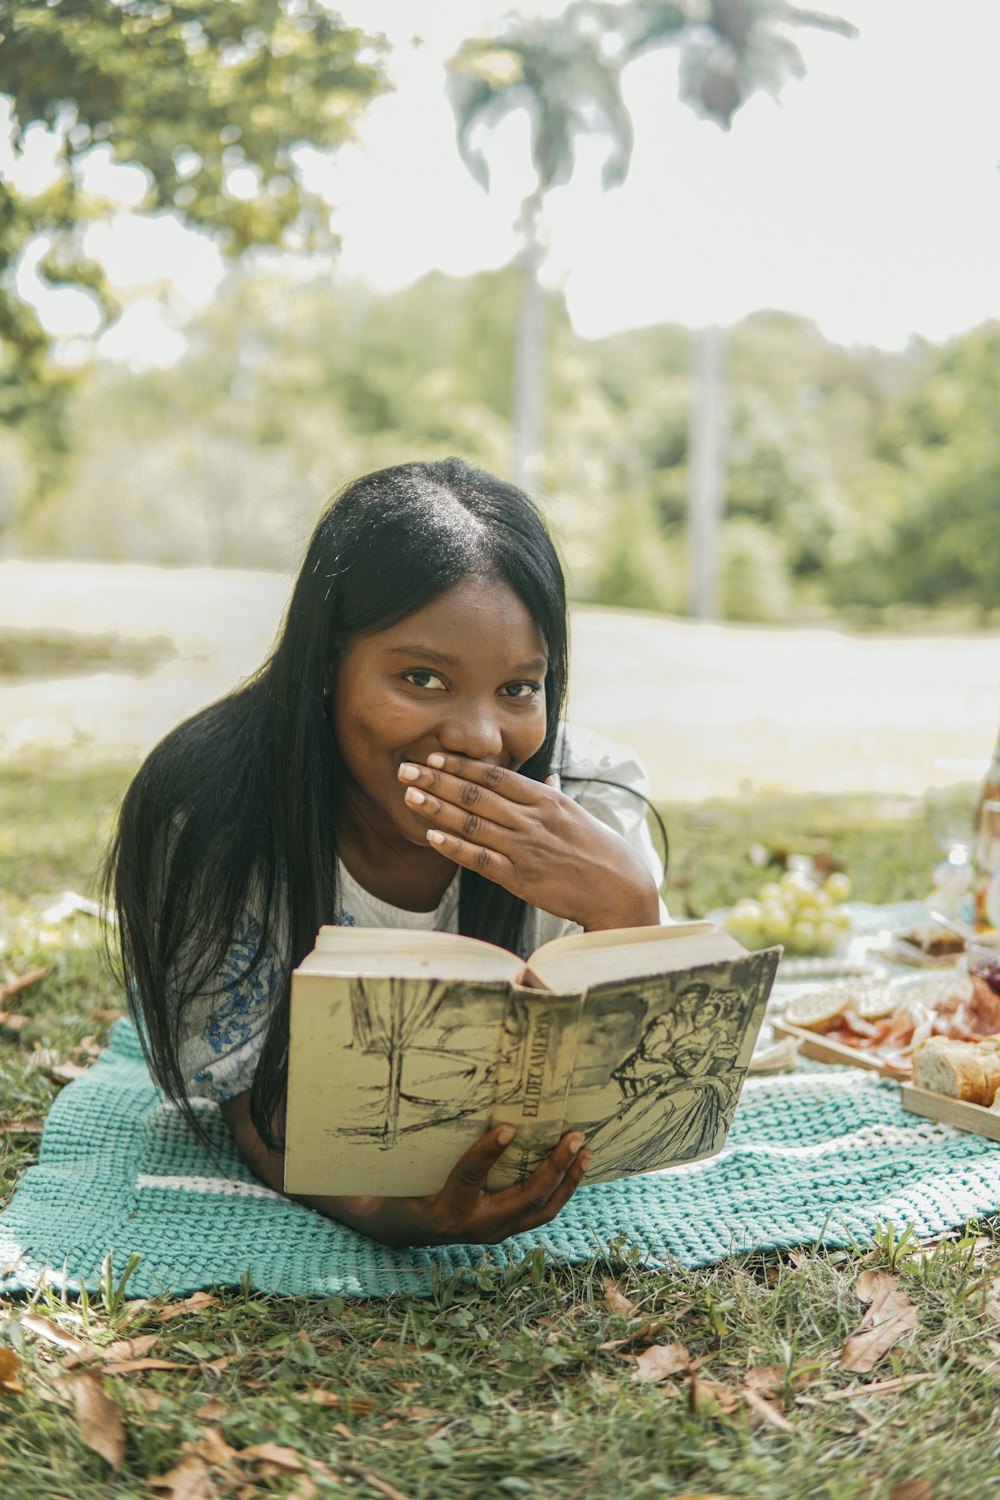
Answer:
(707, 471)
(529, 357)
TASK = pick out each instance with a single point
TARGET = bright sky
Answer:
(867, 199)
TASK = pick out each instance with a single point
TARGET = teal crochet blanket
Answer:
(812, 1157)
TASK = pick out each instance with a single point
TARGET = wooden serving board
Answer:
(820, 1049)
(958, 1112)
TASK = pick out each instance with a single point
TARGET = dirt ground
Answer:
(715, 710)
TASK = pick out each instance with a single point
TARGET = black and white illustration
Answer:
(650, 1069)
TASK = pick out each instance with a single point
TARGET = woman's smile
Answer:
(465, 675)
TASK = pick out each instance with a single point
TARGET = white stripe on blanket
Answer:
(865, 1138)
(229, 1186)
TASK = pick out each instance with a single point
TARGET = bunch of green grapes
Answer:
(797, 911)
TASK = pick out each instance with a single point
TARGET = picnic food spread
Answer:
(891, 1025)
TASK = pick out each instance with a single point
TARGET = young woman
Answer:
(398, 762)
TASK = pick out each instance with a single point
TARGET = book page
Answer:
(403, 953)
(588, 958)
(390, 1080)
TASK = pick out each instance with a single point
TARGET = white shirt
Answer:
(221, 1041)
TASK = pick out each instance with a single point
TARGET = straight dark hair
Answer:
(236, 811)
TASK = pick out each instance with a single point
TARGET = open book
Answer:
(405, 1047)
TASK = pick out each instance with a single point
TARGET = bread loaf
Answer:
(962, 1070)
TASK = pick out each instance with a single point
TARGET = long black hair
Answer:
(237, 810)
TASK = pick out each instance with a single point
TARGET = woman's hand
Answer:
(463, 1212)
(532, 840)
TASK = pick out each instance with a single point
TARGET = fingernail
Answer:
(554, 781)
(585, 1158)
(576, 1140)
(407, 772)
(435, 760)
(506, 1134)
(414, 797)
(433, 837)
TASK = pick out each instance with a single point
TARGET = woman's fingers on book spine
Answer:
(465, 1210)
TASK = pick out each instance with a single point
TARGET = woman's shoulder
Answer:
(583, 754)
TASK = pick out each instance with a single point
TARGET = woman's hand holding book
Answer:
(462, 1212)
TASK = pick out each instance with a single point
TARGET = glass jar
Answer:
(986, 859)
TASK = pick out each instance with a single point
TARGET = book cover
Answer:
(391, 1079)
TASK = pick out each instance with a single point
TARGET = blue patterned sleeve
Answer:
(223, 1036)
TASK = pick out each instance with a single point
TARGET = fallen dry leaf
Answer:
(213, 1447)
(210, 1412)
(272, 1453)
(878, 1388)
(660, 1361)
(618, 1302)
(190, 1480)
(129, 1348)
(709, 1395)
(23, 1127)
(22, 982)
(645, 1328)
(890, 1314)
(132, 1366)
(767, 1412)
(360, 1406)
(10, 1363)
(912, 1489)
(764, 1378)
(99, 1418)
(106, 1015)
(65, 1072)
(367, 1476)
(12, 1022)
(197, 1302)
(44, 1328)
(303, 1489)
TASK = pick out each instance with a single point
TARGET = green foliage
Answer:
(855, 478)
(188, 91)
(720, 851)
(936, 534)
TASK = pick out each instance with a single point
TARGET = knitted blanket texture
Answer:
(812, 1157)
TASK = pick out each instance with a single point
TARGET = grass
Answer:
(520, 1380)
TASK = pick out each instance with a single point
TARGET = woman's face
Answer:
(465, 674)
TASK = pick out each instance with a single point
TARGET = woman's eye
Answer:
(521, 689)
(421, 678)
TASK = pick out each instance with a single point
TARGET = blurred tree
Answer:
(209, 100)
(934, 536)
(560, 74)
(728, 50)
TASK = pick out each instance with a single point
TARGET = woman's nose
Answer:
(474, 731)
